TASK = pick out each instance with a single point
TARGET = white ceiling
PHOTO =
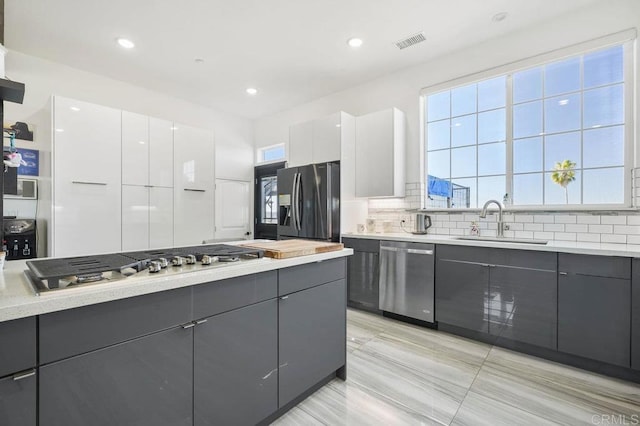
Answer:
(293, 51)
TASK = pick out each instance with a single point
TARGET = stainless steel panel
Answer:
(407, 279)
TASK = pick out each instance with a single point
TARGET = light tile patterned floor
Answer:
(400, 374)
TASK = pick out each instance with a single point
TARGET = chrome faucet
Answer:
(483, 214)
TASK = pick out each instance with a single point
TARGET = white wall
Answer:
(42, 78)
(401, 89)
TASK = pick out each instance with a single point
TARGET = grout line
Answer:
(471, 385)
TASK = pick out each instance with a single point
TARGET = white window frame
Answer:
(628, 39)
(260, 153)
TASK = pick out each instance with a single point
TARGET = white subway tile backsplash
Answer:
(543, 235)
(543, 218)
(524, 234)
(633, 239)
(591, 238)
(581, 227)
(602, 229)
(524, 218)
(588, 219)
(565, 218)
(613, 220)
(456, 232)
(533, 226)
(553, 227)
(471, 217)
(633, 220)
(613, 238)
(564, 236)
(626, 229)
(516, 226)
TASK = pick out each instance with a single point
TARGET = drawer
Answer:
(361, 244)
(463, 253)
(547, 261)
(310, 275)
(75, 331)
(221, 296)
(597, 266)
(17, 345)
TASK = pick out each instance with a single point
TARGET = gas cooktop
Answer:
(54, 274)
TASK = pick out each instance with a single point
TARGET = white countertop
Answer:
(18, 299)
(600, 249)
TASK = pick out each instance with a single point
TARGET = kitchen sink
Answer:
(504, 240)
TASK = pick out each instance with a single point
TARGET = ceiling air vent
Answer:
(410, 41)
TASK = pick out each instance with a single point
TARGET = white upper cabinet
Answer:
(193, 158)
(300, 144)
(135, 149)
(86, 203)
(326, 138)
(135, 217)
(160, 152)
(160, 217)
(380, 154)
(194, 185)
(316, 141)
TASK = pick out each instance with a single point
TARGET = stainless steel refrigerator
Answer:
(309, 202)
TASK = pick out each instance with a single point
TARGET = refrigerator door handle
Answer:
(293, 202)
(298, 210)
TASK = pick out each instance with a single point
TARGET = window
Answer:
(549, 135)
(269, 199)
(271, 153)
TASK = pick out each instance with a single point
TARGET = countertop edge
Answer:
(18, 300)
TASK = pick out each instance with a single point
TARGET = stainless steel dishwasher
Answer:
(407, 279)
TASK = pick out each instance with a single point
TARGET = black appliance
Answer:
(20, 238)
(54, 274)
(309, 202)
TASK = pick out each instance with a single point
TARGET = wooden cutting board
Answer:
(285, 249)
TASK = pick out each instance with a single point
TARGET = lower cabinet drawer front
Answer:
(17, 345)
(76, 331)
(143, 382)
(221, 296)
(301, 277)
(18, 401)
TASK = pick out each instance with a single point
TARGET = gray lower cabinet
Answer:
(18, 400)
(145, 381)
(312, 344)
(594, 312)
(462, 287)
(236, 366)
(523, 297)
(17, 345)
(635, 315)
(363, 274)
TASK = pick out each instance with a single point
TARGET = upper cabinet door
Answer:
(160, 217)
(301, 144)
(194, 158)
(160, 152)
(380, 154)
(135, 149)
(326, 139)
(87, 142)
(135, 217)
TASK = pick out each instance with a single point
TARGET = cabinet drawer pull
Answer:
(189, 325)
(419, 251)
(284, 297)
(202, 321)
(24, 375)
(80, 182)
(195, 190)
(385, 248)
(562, 273)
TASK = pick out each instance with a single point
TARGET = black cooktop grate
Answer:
(198, 251)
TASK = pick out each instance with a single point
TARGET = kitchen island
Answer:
(231, 344)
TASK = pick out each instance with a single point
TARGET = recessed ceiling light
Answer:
(499, 17)
(252, 91)
(338, 125)
(173, 128)
(74, 108)
(141, 142)
(126, 43)
(354, 42)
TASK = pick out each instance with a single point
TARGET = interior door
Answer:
(232, 206)
(265, 203)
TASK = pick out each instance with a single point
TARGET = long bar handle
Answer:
(420, 251)
(385, 248)
(195, 190)
(80, 182)
(24, 375)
